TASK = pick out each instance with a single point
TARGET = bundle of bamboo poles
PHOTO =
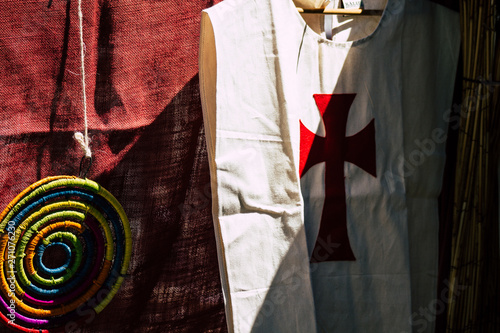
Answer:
(474, 276)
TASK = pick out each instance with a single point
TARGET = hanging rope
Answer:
(83, 139)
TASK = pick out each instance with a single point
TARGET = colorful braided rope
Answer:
(89, 228)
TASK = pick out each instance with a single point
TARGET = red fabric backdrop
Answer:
(147, 138)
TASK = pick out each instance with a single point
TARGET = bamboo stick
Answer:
(473, 188)
(340, 11)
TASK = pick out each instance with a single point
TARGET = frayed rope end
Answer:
(84, 144)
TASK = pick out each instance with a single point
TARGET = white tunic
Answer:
(262, 71)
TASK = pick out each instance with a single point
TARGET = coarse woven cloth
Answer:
(145, 126)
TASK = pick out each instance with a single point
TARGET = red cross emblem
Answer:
(334, 149)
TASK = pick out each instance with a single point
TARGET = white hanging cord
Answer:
(83, 139)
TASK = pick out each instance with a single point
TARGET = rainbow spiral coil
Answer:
(88, 225)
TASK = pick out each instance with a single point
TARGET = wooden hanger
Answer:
(340, 11)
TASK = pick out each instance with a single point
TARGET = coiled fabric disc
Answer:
(85, 227)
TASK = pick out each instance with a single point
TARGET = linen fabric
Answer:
(271, 82)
